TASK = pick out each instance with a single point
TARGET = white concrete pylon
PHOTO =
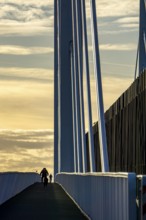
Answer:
(142, 34)
(55, 91)
(80, 76)
(76, 79)
(97, 72)
(63, 128)
(86, 61)
(74, 107)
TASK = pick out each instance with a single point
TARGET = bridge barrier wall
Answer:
(12, 183)
(102, 196)
(141, 197)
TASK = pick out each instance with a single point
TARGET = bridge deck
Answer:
(37, 202)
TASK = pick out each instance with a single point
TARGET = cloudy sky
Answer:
(26, 85)
(26, 73)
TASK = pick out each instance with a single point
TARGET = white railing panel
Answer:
(12, 183)
(102, 196)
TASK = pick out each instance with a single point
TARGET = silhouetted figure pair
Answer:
(44, 173)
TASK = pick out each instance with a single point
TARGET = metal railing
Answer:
(12, 183)
(102, 196)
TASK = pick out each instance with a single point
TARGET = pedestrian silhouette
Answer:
(45, 181)
(44, 173)
(50, 176)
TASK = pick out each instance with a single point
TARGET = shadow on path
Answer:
(39, 203)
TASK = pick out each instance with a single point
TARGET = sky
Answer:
(26, 74)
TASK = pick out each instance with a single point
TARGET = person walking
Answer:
(44, 173)
(50, 176)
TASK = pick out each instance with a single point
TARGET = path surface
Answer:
(39, 203)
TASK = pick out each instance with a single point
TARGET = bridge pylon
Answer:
(71, 54)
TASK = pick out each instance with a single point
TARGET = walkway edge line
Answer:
(82, 211)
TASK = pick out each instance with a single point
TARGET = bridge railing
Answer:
(12, 183)
(141, 197)
(102, 196)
